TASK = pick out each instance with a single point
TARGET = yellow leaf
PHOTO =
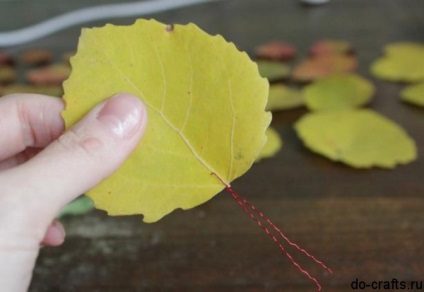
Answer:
(338, 92)
(7, 74)
(205, 101)
(282, 97)
(272, 146)
(414, 94)
(359, 138)
(402, 49)
(402, 62)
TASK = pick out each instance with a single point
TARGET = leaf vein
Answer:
(167, 122)
(163, 75)
(187, 113)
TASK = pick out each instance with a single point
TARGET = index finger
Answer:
(28, 120)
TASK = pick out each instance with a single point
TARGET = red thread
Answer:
(246, 205)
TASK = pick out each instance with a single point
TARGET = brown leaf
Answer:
(50, 75)
(37, 57)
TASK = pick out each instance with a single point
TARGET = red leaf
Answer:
(330, 47)
(276, 51)
(6, 59)
(315, 68)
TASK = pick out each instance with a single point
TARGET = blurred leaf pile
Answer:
(34, 71)
(325, 82)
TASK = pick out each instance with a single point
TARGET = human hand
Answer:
(35, 183)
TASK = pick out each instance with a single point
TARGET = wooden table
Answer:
(365, 224)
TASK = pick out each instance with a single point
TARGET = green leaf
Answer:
(359, 138)
(282, 97)
(402, 62)
(338, 92)
(273, 70)
(79, 206)
(205, 102)
(53, 90)
(414, 94)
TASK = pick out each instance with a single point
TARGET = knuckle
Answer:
(77, 141)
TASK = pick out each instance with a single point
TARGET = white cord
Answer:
(52, 25)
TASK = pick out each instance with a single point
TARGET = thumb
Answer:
(85, 154)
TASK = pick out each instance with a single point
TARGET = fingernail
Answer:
(58, 231)
(55, 234)
(122, 114)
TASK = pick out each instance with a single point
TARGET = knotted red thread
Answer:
(251, 211)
